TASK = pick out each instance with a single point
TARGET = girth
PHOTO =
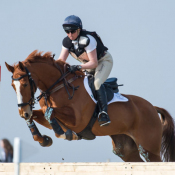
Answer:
(87, 131)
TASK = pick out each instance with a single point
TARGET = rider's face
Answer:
(73, 35)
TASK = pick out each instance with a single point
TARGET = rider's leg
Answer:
(101, 74)
(103, 117)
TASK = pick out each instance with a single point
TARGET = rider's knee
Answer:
(97, 84)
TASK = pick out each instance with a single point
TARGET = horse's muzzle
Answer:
(25, 112)
(26, 115)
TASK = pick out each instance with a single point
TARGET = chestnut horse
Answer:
(136, 129)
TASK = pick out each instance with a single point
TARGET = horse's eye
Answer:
(25, 84)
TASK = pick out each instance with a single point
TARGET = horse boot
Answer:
(103, 117)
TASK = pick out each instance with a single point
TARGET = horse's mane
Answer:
(37, 57)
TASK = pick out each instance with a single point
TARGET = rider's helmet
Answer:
(72, 22)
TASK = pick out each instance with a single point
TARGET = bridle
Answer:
(31, 102)
(50, 90)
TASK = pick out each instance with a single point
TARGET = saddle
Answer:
(111, 87)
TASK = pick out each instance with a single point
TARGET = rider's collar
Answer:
(75, 42)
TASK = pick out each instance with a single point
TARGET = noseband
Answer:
(31, 102)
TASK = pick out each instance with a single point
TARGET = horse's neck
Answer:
(74, 111)
(46, 74)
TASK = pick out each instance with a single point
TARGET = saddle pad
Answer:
(117, 96)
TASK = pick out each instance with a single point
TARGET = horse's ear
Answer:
(21, 66)
(10, 68)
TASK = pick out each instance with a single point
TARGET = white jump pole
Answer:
(17, 155)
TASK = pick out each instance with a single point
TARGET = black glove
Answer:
(74, 68)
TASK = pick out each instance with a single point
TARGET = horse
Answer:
(137, 132)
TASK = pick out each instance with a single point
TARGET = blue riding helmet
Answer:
(72, 22)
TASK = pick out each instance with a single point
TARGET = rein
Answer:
(66, 84)
(50, 90)
(31, 102)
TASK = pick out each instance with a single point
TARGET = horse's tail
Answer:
(168, 136)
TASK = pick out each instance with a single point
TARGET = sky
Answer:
(140, 36)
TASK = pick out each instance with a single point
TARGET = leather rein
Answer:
(66, 84)
(50, 90)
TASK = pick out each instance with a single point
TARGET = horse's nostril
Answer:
(26, 115)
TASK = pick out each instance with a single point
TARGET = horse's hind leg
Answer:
(125, 148)
(148, 141)
(148, 156)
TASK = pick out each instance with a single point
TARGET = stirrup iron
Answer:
(106, 123)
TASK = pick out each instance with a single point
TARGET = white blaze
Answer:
(19, 96)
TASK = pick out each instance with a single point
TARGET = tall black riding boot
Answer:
(103, 117)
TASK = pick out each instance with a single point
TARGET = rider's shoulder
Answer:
(67, 42)
(84, 40)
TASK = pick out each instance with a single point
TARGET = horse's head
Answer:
(25, 88)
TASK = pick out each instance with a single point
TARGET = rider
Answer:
(88, 48)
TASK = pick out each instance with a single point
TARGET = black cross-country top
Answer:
(83, 41)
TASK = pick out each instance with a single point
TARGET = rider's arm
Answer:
(93, 62)
(91, 53)
(64, 54)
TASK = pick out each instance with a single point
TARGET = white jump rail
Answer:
(89, 168)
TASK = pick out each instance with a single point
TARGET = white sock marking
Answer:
(62, 136)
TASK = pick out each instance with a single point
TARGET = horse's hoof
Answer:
(47, 141)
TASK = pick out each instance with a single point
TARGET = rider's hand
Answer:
(74, 68)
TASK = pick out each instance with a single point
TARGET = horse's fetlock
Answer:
(144, 153)
(75, 136)
(68, 134)
(36, 138)
(62, 136)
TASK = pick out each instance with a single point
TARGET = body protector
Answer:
(83, 41)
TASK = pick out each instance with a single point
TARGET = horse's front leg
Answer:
(43, 140)
(66, 133)
(60, 130)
